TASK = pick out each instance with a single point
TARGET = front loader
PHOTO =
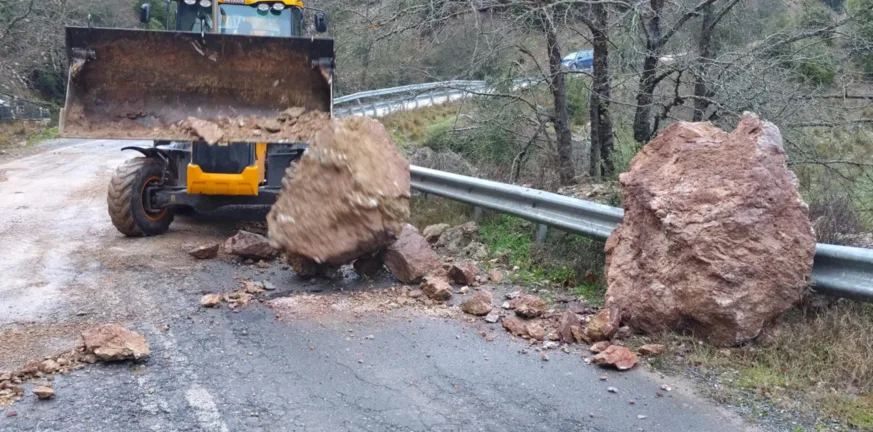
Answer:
(216, 59)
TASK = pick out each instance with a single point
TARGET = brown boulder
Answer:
(603, 325)
(478, 304)
(600, 346)
(205, 251)
(113, 342)
(436, 288)
(618, 356)
(31, 367)
(535, 330)
(432, 233)
(528, 306)
(410, 258)
(455, 239)
(464, 272)
(347, 196)
(651, 350)
(250, 245)
(496, 276)
(716, 239)
(44, 392)
(49, 366)
(514, 326)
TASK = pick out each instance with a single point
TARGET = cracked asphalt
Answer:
(65, 267)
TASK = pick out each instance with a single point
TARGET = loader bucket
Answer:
(139, 84)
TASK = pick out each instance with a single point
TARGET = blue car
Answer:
(579, 60)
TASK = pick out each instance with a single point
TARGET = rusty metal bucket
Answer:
(136, 84)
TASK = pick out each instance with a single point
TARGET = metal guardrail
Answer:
(839, 270)
(413, 96)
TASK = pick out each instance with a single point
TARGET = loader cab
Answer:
(244, 17)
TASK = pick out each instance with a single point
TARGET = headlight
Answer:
(206, 3)
(278, 6)
(263, 7)
(190, 2)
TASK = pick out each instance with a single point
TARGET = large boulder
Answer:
(250, 245)
(112, 342)
(464, 272)
(347, 196)
(478, 304)
(715, 238)
(410, 258)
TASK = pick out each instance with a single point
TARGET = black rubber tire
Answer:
(125, 199)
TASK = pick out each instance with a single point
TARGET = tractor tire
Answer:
(125, 198)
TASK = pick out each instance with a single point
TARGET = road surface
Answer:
(64, 268)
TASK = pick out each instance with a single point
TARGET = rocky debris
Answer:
(436, 288)
(726, 237)
(44, 392)
(514, 326)
(623, 332)
(617, 356)
(369, 265)
(113, 342)
(11, 413)
(666, 387)
(31, 367)
(210, 300)
(250, 245)
(513, 295)
(456, 239)
(432, 233)
(478, 304)
(603, 325)
(496, 276)
(603, 193)
(529, 306)
(410, 258)
(569, 327)
(492, 317)
(347, 196)
(600, 346)
(612, 389)
(205, 129)
(464, 272)
(652, 350)
(463, 290)
(205, 251)
(476, 251)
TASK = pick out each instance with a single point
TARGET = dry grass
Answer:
(24, 133)
(433, 210)
(822, 362)
(410, 127)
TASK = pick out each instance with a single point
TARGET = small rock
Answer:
(436, 288)
(665, 387)
(550, 345)
(44, 392)
(513, 295)
(89, 358)
(618, 356)
(641, 416)
(478, 304)
(263, 264)
(600, 346)
(566, 326)
(544, 357)
(603, 377)
(631, 402)
(210, 300)
(506, 305)
(659, 394)
(49, 366)
(464, 290)
(11, 413)
(250, 245)
(623, 332)
(113, 342)
(514, 326)
(31, 367)
(529, 306)
(415, 293)
(268, 285)
(496, 276)
(603, 325)
(651, 350)
(492, 317)
(464, 272)
(5, 376)
(370, 337)
(612, 389)
(535, 330)
(205, 251)
(476, 251)
(63, 362)
(432, 233)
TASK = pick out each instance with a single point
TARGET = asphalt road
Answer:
(64, 268)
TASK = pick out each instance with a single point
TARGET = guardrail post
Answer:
(542, 232)
(477, 214)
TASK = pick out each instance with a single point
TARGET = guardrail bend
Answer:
(839, 270)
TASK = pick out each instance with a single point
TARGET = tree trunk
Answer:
(601, 119)
(566, 171)
(643, 117)
(704, 53)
